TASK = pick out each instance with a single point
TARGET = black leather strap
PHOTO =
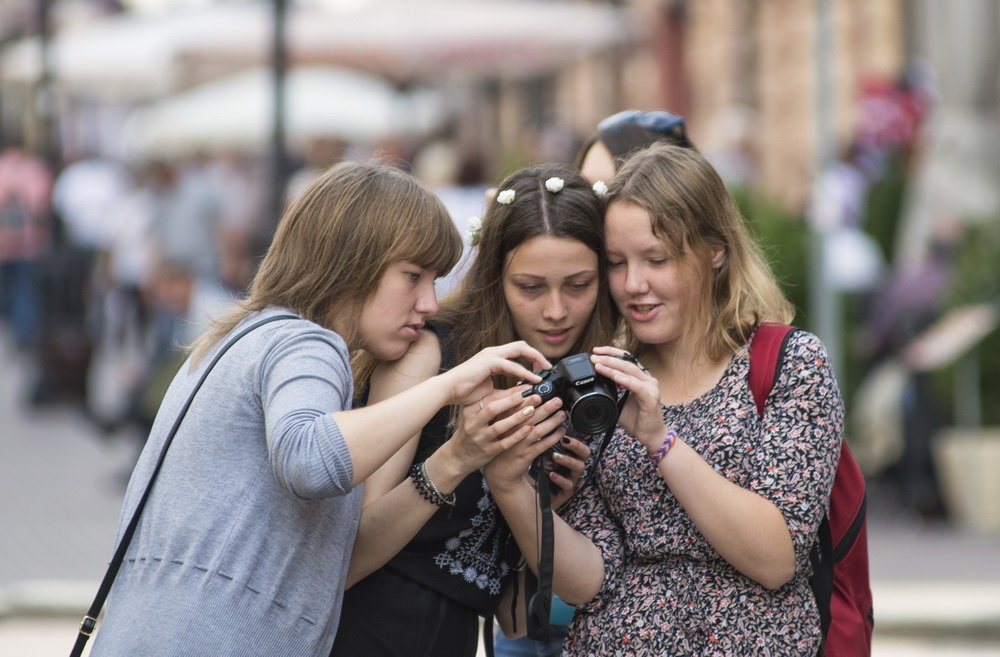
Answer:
(540, 601)
(90, 620)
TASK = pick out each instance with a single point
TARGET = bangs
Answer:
(434, 244)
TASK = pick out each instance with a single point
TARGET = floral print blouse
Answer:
(666, 590)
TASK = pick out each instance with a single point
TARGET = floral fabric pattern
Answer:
(666, 590)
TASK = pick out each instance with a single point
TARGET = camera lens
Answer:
(594, 413)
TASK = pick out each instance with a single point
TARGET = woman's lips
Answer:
(555, 336)
(641, 312)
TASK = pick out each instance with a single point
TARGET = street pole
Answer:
(279, 158)
(824, 302)
(44, 96)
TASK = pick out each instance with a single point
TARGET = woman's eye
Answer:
(414, 277)
(615, 263)
(530, 288)
(580, 286)
(658, 261)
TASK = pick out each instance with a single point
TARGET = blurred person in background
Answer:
(84, 198)
(25, 237)
(239, 184)
(186, 221)
(621, 134)
(440, 163)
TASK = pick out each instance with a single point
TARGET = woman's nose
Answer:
(427, 302)
(555, 308)
(635, 280)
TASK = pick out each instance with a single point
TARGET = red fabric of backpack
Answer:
(840, 556)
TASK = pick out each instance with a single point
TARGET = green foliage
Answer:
(977, 272)
(884, 204)
(977, 280)
(784, 239)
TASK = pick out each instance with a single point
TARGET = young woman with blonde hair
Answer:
(244, 543)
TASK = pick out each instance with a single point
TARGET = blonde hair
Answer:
(335, 241)
(693, 215)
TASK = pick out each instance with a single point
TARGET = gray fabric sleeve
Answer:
(304, 378)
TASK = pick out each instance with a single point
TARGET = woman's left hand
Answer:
(571, 454)
(641, 416)
(507, 469)
(493, 424)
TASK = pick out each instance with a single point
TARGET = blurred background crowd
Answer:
(148, 146)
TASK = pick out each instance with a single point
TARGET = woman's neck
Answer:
(683, 373)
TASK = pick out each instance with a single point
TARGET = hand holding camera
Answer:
(641, 415)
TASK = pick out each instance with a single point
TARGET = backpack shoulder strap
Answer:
(767, 352)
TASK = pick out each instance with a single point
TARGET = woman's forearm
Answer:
(578, 565)
(374, 433)
(746, 529)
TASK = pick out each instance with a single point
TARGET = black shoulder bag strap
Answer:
(90, 620)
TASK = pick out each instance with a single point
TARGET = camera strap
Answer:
(538, 591)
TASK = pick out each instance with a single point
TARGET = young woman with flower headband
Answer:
(692, 536)
(243, 545)
(425, 569)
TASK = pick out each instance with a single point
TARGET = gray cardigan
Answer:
(244, 544)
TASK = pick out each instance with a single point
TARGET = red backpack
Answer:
(840, 555)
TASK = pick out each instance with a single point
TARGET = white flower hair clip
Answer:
(554, 184)
(600, 189)
(475, 227)
(506, 197)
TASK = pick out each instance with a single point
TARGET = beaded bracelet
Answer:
(427, 489)
(668, 442)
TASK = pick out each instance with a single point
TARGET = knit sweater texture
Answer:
(244, 544)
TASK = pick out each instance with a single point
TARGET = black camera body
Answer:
(589, 399)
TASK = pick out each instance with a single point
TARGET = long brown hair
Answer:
(478, 310)
(335, 241)
(693, 215)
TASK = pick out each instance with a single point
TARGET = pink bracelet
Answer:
(668, 442)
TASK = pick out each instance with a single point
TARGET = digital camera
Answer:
(589, 399)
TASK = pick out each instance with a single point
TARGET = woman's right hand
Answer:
(473, 380)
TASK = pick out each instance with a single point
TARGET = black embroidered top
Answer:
(459, 551)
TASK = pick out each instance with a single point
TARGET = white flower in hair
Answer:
(554, 184)
(475, 226)
(600, 189)
(506, 197)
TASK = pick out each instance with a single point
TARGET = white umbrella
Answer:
(410, 40)
(139, 56)
(236, 112)
(121, 57)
